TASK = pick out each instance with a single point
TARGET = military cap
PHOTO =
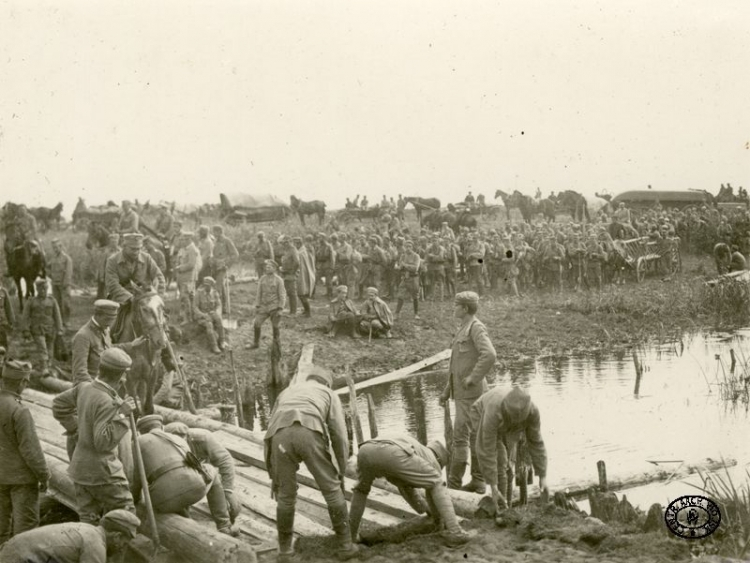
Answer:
(297, 240)
(177, 428)
(114, 236)
(120, 521)
(342, 288)
(372, 290)
(516, 406)
(56, 241)
(466, 298)
(187, 234)
(145, 423)
(40, 282)
(132, 239)
(321, 373)
(209, 280)
(334, 236)
(106, 307)
(283, 239)
(441, 453)
(217, 229)
(203, 229)
(272, 263)
(115, 359)
(409, 243)
(322, 235)
(16, 370)
(308, 237)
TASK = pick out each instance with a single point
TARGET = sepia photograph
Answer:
(391, 281)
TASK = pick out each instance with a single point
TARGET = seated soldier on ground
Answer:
(344, 316)
(377, 319)
(207, 313)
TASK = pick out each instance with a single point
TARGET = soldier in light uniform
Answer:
(436, 258)
(325, 262)
(128, 222)
(60, 271)
(23, 471)
(189, 263)
(207, 314)
(131, 265)
(269, 302)
(113, 247)
(42, 322)
(377, 319)
(164, 221)
(95, 412)
(472, 359)
(408, 264)
(7, 316)
(225, 255)
(263, 252)
(289, 270)
(344, 316)
(595, 257)
(205, 246)
(475, 253)
(73, 542)
(408, 465)
(306, 425)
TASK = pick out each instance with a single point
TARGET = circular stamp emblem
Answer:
(692, 517)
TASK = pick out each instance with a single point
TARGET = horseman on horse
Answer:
(24, 254)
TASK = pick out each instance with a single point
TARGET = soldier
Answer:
(289, 271)
(175, 481)
(263, 253)
(189, 263)
(436, 259)
(205, 246)
(400, 208)
(344, 316)
(451, 263)
(128, 221)
(325, 262)
(225, 255)
(472, 359)
(164, 221)
(408, 265)
(208, 450)
(99, 467)
(7, 316)
(595, 256)
(60, 269)
(207, 314)
(269, 302)
(377, 319)
(73, 542)
(306, 425)
(408, 465)
(23, 471)
(343, 258)
(307, 276)
(498, 418)
(509, 267)
(42, 322)
(151, 245)
(576, 252)
(131, 266)
(475, 253)
(113, 247)
(93, 338)
(553, 255)
(378, 261)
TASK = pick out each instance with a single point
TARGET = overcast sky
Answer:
(323, 99)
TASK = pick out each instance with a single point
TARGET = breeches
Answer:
(62, 296)
(260, 318)
(462, 430)
(213, 323)
(94, 501)
(19, 509)
(381, 459)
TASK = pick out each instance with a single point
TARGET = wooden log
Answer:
(304, 365)
(601, 469)
(399, 374)
(371, 416)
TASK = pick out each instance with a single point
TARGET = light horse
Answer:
(145, 317)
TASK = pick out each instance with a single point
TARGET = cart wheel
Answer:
(640, 269)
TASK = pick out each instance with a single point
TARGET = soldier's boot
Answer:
(305, 305)
(285, 527)
(212, 342)
(456, 474)
(217, 504)
(354, 330)
(477, 484)
(340, 520)
(453, 535)
(276, 334)
(256, 337)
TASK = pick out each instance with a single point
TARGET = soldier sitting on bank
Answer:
(344, 316)
(207, 313)
(377, 319)
(42, 322)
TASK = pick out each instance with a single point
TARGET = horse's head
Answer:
(149, 317)
(294, 202)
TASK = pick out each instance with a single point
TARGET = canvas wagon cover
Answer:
(255, 200)
(664, 196)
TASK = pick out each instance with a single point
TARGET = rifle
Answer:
(183, 379)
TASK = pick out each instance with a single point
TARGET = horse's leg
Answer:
(17, 281)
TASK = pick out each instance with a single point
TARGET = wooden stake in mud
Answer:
(638, 373)
(138, 455)
(371, 416)
(601, 468)
(183, 379)
(356, 422)
(237, 395)
(448, 429)
(734, 361)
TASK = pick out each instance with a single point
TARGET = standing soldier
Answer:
(346, 271)
(23, 471)
(113, 247)
(475, 252)
(206, 248)
(99, 417)
(225, 255)
(400, 207)
(307, 276)
(150, 244)
(42, 322)
(325, 262)
(60, 270)
(595, 256)
(164, 221)
(553, 255)
(576, 251)
(451, 263)
(378, 260)
(131, 266)
(269, 302)
(7, 316)
(408, 265)
(189, 263)
(306, 425)
(289, 271)
(128, 222)
(207, 314)
(436, 258)
(472, 359)
(263, 253)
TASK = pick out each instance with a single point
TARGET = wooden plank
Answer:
(304, 365)
(399, 374)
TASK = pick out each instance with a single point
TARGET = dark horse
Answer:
(302, 208)
(46, 216)
(25, 261)
(98, 235)
(144, 317)
(423, 204)
(524, 203)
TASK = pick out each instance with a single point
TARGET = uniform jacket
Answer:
(91, 410)
(119, 272)
(264, 251)
(41, 315)
(189, 263)
(271, 293)
(21, 454)
(289, 265)
(207, 449)
(325, 255)
(128, 222)
(225, 253)
(206, 248)
(472, 357)
(410, 262)
(307, 274)
(207, 302)
(88, 344)
(164, 223)
(60, 269)
(339, 308)
(491, 428)
(7, 314)
(315, 407)
(71, 542)
(380, 309)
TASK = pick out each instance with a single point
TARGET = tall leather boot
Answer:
(256, 337)
(453, 534)
(276, 334)
(456, 474)
(285, 528)
(305, 305)
(340, 521)
(477, 484)
(212, 342)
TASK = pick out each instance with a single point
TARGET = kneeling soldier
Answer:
(207, 313)
(42, 322)
(377, 319)
(409, 465)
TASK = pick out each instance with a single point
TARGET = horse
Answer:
(25, 261)
(524, 203)
(574, 203)
(45, 216)
(302, 208)
(423, 204)
(144, 317)
(98, 235)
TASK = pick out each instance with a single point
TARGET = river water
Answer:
(589, 411)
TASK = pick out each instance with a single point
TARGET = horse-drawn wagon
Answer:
(252, 209)
(645, 254)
